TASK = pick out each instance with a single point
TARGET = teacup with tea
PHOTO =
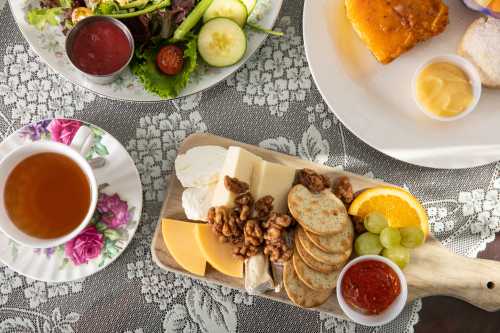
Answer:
(48, 192)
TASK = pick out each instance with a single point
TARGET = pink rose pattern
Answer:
(101, 235)
(90, 243)
(114, 213)
(63, 130)
(86, 246)
(114, 210)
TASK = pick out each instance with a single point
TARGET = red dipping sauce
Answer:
(370, 286)
(100, 48)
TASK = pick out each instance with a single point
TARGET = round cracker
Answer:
(311, 262)
(337, 243)
(299, 293)
(314, 279)
(319, 213)
(332, 259)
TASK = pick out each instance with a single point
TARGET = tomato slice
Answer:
(170, 59)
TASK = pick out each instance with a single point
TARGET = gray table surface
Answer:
(272, 102)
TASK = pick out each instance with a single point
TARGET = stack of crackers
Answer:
(322, 246)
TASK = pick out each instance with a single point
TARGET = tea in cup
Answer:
(48, 192)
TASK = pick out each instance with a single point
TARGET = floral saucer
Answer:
(114, 222)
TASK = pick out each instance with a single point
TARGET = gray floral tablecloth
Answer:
(271, 102)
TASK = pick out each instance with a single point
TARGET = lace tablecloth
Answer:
(271, 102)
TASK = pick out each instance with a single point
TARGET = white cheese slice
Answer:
(197, 201)
(239, 164)
(275, 180)
(258, 278)
(200, 166)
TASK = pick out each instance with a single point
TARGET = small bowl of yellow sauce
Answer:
(447, 87)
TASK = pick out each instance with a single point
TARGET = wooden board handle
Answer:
(435, 270)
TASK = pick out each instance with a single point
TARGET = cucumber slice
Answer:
(250, 4)
(232, 9)
(221, 42)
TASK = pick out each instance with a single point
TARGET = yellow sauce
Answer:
(444, 89)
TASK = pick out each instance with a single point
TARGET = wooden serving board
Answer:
(433, 269)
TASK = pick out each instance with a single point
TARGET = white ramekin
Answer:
(467, 67)
(390, 313)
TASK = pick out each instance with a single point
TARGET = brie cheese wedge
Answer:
(200, 166)
(197, 201)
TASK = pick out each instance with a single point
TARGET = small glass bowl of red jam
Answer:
(372, 290)
(100, 48)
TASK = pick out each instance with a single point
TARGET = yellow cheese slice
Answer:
(275, 180)
(219, 255)
(239, 163)
(179, 237)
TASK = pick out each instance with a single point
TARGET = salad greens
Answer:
(267, 31)
(144, 67)
(110, 8)
(66, 3)
(155, 24)
(193, 18)
(106, 8)
(40, 17)
(134, 4)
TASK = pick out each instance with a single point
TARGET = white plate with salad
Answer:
(215, 37)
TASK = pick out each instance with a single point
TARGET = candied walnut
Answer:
(359, 225)
(254, 235)
(245, 251)
(244, 204)
(278, 252)
(342, 188)
(245, 213)
(273, 233)
(280, 220)
(244, 199)
(312, 180)
(275, 245)
(235, 214)
(211, 214)
(235, 186)
(225, 224)
(264, 206)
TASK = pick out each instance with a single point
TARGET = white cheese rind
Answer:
(239, 164)
(275, 180)
(197, 201)
(258, 278)
(200, 166)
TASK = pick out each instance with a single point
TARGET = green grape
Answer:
(399, 255)
(411, 237)
(367, 243)
(390, 237)
(375, 222)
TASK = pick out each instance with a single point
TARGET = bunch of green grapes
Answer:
(392, 243)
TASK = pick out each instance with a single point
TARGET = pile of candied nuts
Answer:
(251, 226)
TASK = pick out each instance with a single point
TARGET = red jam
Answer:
(100, 48)
(370, 286)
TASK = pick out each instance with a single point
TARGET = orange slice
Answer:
(400, 207)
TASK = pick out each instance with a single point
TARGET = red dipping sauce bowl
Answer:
(372, 290)
(100, 48)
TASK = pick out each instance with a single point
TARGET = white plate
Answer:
(116, 173)
(375, 101)
(49, 45)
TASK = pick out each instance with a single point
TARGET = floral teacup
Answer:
(80, 142)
